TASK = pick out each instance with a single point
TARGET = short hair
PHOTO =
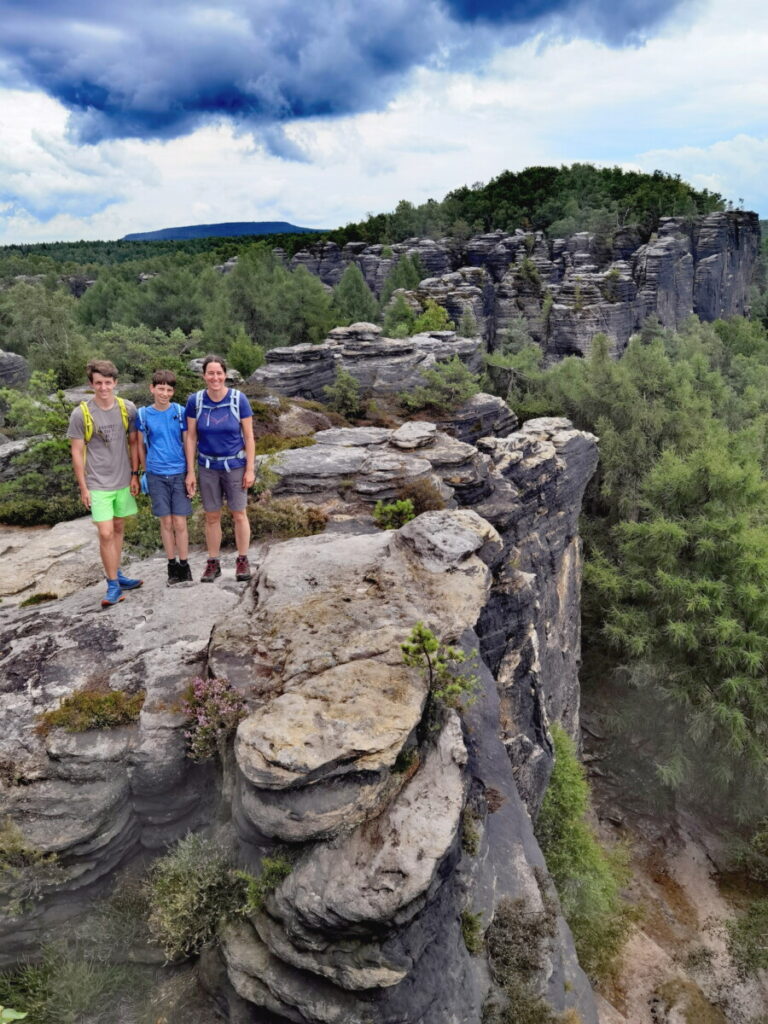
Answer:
(164, 377)
(214, 359)
(102, 366)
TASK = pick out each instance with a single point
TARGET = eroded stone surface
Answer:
(344, 703)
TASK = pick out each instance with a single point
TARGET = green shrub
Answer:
(448, 684)
(516, 941)
(434, 318)
(528, 274)
(472, 932)
(470, 834)
(67, 986)
(394, 514)
(267, 444)
(588, 878)
(142, 531)
(244, 355)
(406, 762)
(399, 319)
(89, 709)
(344, 394)
(257, 888)
(25, 871)
(468, 324)
(43, 491)
(446, 387)
(15, 852)
(423, 494)
(285, 517)
(748, 939)
(190, 890)
(39, 598)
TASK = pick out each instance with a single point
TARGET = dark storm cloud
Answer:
(617, 23)
(157, 70)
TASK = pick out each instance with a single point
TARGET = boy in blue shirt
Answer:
(161, 453)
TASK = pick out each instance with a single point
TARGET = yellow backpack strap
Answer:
(123, 413)
(87, 422)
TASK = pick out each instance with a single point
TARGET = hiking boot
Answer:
(212, 571)
(242, 568)
(114, 594)
(173, 572)
(126, 583)
(184, 573)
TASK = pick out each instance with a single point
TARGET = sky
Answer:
(117, 117)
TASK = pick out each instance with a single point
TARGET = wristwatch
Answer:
(135, 472)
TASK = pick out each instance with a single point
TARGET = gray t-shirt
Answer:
(107, 462)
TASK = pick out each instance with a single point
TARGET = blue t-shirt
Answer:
(163, 439)
(219, 434)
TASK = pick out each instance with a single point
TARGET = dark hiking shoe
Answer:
(173, 573)
(126, 583)
(185, 573)
(212, 571)
(114, 594)
(242, 568)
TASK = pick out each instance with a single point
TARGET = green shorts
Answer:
(106, 505)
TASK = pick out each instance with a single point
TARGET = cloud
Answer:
(734, 167)
(158, 71)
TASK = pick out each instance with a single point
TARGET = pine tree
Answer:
(353, 300)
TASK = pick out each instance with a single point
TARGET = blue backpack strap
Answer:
(141, 416)
(234, 402)
(199, 403)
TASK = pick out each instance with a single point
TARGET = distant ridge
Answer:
(228, 230)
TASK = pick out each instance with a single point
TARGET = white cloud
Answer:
(691, 101)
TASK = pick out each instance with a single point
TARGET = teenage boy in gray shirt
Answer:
(105, 458)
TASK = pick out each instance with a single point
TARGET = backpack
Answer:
(141, 415)
(234, 408)
(88, 419)
(234, 403)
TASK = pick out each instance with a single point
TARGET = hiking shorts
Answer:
(217, 484)
(106, 505)
(168, 495)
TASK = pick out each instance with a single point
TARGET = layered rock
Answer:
(14, 370)
(568, 290)
(58, 561)
(95, 799)
(382, 366)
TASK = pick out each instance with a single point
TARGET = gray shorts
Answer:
(168, 495)
(217, 484)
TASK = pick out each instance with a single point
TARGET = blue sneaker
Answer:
(114, 594)
(126, 583)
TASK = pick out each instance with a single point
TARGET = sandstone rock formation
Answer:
(14, 370)
(382, 366)
(58, 561)
(567, 290)
(343, 756)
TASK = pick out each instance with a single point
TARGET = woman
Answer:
(220, 431)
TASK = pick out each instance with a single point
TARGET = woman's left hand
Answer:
(248, 477)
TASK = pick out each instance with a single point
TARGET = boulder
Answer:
(14, 370)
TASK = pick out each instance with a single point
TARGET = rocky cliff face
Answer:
(568, 290)
(402, 820)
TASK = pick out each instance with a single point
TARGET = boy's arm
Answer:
(133, 450)
(77, 449)
(190, 448)
(142, 451)
(249, 444)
